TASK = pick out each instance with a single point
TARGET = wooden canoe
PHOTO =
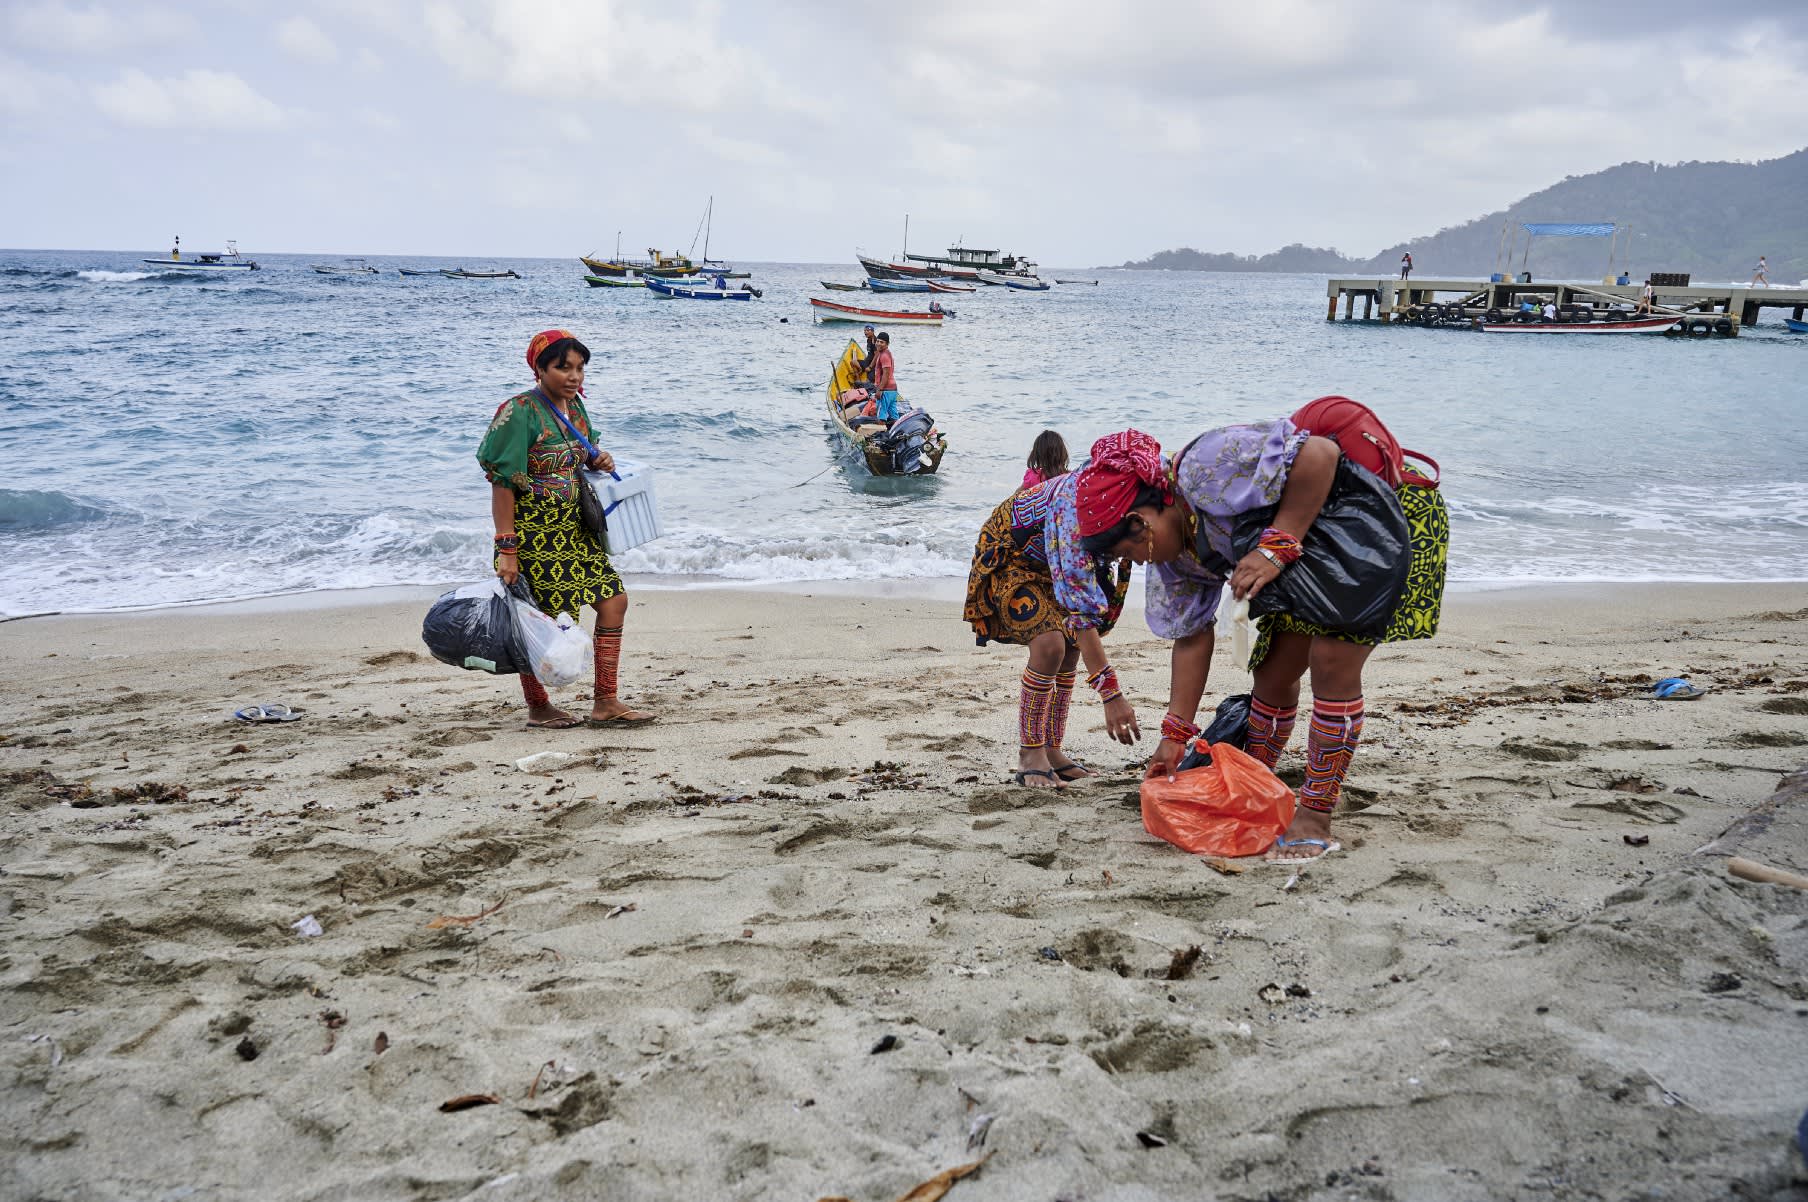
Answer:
(863, 435)
(828, 310)
(1640, 325)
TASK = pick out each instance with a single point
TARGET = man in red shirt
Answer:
(885, 381)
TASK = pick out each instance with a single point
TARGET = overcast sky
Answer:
(1075, 131)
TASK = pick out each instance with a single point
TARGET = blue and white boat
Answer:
(1796, 327)
(688, 290)
(208, 260)
(900, 285)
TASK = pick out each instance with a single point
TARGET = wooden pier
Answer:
(1391, 300)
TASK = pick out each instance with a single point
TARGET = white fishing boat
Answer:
(349, 267)
(208, 260)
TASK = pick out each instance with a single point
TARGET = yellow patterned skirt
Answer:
(1421, 602)
(562, 562)
(1011, 596)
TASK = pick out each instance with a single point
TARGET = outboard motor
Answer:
(907, 441)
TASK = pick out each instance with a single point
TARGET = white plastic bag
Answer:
(558, 650)
(1233, 622)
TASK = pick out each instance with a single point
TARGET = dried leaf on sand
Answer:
(1220, 864)
(466, 1101)
(462, 920)
(932, 1189)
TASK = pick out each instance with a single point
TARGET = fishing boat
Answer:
(900, 285)
(349, 267)
(1023, 283)
(963, 258)
(208, 260)
(882, 269)
(1094, 283)
(946, 286)
(656, 263)
(1636, 325)
(832, 286)
(828, 311)
(687, 290)
(1796, 327)
(420, 270)
(615, 281)
(910, 446)
(459, 273)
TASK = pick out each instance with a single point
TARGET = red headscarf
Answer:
(1106, 489)
(541, 341)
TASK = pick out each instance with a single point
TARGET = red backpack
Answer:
(1365, 441)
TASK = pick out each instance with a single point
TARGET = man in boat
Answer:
(885, 381)
(175, 253)
(863, 369)
(1647, 295)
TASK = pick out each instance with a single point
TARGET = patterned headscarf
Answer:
(1106, 489)
(541, 341)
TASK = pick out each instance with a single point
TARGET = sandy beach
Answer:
(802, 939)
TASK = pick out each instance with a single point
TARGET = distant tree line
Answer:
(1712, 220)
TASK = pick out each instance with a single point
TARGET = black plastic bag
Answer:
(1229, 725)
(474, 627)
(1355, 560)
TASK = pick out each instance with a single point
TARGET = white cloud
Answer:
(196, 99)
(69, 29)
(25, 89)
(306, 41)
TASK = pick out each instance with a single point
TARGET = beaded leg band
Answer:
(1331, 741)
(1057, 707)
(1269, 728)
(608, 660)
(1032, 709)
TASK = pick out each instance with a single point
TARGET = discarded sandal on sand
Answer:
(1676, 688)
(1020, 777)
(1283, 843)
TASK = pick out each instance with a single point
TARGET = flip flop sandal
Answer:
(269, 711)
(1283, 843)
(1084, 773)
(1018, 777)
(1676, 688)
(568, 722)
(623, 720)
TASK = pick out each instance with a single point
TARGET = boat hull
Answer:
(480, 275)
(901, 286)
(677, 291)
(603, 281)
(1796, 327)
(1641, 325)
(828, 311)
(944, 286)
(832, 286)
(841, 377)
(879, 269)
(185, 265)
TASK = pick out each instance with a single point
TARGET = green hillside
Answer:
(1712, 220)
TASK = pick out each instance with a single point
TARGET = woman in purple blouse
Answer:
(1178, 516)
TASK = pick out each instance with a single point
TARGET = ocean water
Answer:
(170, 439)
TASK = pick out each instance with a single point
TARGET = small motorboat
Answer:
(1094, 283)
(1023, 283)
(910, 446)
(1634, 325)
(686, 290)
(1796, 327)
(949, 286)
(614, 281)
(900, 285)
(832, 286)
(419, 270)
(459, 273)
(828, 310)
(208, 260)
(349, 267)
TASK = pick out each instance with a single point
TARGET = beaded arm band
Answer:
(1177, 730)
(1278, 546)
(1104, 681)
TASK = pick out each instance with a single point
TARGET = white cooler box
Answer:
(629, 504)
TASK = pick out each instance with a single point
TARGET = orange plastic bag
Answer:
(1233, 806)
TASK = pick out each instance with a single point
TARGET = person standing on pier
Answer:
(1760, 274)
(1406, 265)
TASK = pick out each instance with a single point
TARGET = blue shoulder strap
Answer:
(589, 451)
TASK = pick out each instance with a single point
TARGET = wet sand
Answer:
(694, 940)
